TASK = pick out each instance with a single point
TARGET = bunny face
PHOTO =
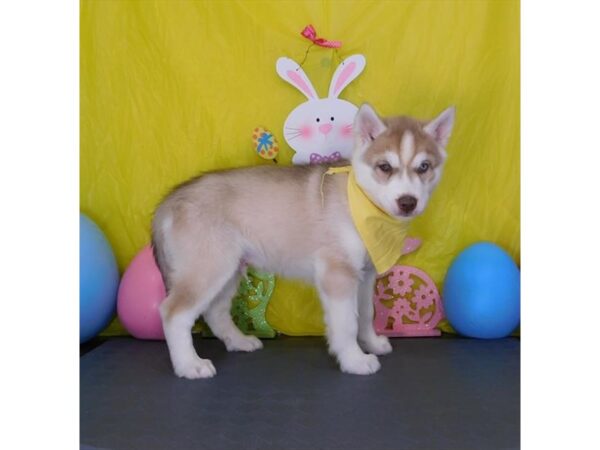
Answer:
(320, 130)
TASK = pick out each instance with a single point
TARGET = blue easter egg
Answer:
(482, 292)
(98, 280)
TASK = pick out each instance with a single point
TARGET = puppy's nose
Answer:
(325, 128)
(407, 203)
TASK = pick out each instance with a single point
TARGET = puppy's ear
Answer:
(367, 124)
(440, 128)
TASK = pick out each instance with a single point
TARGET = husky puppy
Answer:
(209, 228)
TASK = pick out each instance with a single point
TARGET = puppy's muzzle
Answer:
(407, 204)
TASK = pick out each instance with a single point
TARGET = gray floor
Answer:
(431, 393)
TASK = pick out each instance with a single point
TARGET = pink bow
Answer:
(310, 33)
(315, 158)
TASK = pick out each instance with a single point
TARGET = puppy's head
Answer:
(398, 161)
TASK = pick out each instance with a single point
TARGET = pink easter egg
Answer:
(140, 294)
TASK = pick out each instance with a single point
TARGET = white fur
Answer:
(407, 147)
(367, 338)
(367, 127)
(218, 318)
(384, 196)
(185, 360)
(420, 158)
(393, 159)
(403, 182)
(208, 230)
(441, 127)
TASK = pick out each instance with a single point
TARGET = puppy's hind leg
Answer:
(218, 318)
(179, 312)
(190, 295)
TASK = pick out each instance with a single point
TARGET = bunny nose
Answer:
(325, 128)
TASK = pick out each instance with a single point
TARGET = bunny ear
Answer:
(348, 70)
(291, 72)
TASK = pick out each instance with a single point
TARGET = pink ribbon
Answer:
(310, 33)
(315, 158)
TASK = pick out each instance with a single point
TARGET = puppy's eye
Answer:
(385, 167)
(423, 167)
(318, 120)
(332, 118)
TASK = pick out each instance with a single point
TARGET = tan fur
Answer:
(391, 140)
(180, 299)
(253, 205)
(340, 278)
(292, 221)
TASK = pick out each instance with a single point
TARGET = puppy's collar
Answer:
(382, 234)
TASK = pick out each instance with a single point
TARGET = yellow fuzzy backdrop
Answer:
(173, 88)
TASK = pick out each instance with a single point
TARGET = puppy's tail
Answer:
(158, 249)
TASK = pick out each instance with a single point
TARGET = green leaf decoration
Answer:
(249, 306)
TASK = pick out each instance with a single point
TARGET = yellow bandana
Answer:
(382, 234)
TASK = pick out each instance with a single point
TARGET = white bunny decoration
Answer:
(320, 130)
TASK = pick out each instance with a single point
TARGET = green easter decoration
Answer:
(249, 306)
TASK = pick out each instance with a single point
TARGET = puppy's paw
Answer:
(195, 368)
(360, 364)
(378, 345)
(243, 344)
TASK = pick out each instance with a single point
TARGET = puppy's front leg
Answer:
(337, 283)
(368, 339)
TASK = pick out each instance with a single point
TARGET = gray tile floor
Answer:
(431, 393)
